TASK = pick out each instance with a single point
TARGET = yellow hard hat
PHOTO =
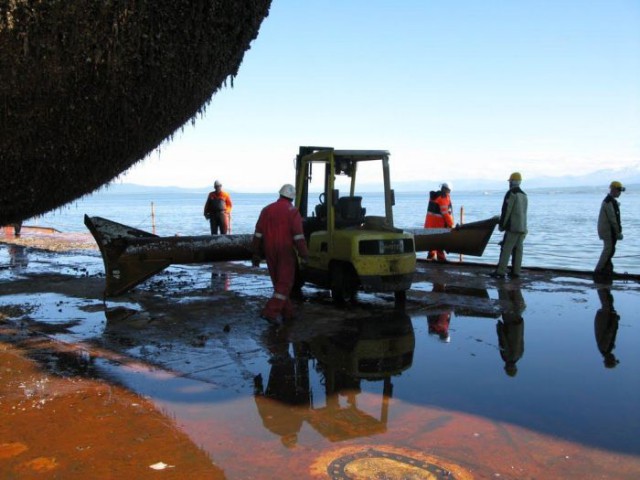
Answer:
(515, 177)
(617, 185)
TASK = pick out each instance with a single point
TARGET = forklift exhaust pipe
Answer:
(131, 256)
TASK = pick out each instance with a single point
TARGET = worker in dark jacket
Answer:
(439, 215)
(513, 222)
(217, 210)
(609, 228)
(278, 236)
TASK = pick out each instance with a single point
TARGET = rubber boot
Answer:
(273, 308)
(288, 312)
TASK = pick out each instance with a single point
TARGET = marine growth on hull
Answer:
(89, 88)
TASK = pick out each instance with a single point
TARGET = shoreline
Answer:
(53, 242)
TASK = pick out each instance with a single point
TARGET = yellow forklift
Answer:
(348, 249)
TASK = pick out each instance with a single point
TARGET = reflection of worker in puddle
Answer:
(439, 322)
(18, 258)
(287, 398)
(439, 325)
(17, 228)
(220, 279)
(606, 327)
(511, 328)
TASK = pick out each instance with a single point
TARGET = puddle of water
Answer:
(54, 314)
(389, 380)
(16, 261)
(546, 373)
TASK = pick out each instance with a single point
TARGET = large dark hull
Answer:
(88, 88)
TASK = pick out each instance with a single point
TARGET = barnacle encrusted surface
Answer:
(89, 87)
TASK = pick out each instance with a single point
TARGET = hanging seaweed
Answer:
(90, 87)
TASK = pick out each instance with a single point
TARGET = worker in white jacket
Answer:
(513, 221)
(609, 228)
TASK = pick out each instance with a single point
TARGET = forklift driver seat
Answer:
(349, 212)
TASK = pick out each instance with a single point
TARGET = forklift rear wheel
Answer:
(344, 283)
(400, 297)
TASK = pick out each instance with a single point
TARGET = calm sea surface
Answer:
(562, 225)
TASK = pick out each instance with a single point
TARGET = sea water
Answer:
(562, 224)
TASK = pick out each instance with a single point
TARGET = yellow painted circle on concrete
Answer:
(383, 461)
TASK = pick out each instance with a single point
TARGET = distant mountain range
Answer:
(599, 179)
(132, 189)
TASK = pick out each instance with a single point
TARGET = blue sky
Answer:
(454, 89)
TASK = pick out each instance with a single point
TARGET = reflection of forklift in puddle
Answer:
(380, 348)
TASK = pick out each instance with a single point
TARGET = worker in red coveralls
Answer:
(277, 236)
(439, 215)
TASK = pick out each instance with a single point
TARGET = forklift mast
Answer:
(303, 177)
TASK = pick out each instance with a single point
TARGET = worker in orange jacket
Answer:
(217, 209)
(278, 236)
(439, 215)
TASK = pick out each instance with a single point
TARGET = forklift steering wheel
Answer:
(321, 198)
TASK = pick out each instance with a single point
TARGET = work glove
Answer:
(207, 216)
(620, 236)
(255, 260)
(304, 261)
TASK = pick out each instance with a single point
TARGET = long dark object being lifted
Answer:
(468, 239)
(131, 256)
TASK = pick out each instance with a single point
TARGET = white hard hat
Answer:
(288, 191)
(217, 183)
(446, 185)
